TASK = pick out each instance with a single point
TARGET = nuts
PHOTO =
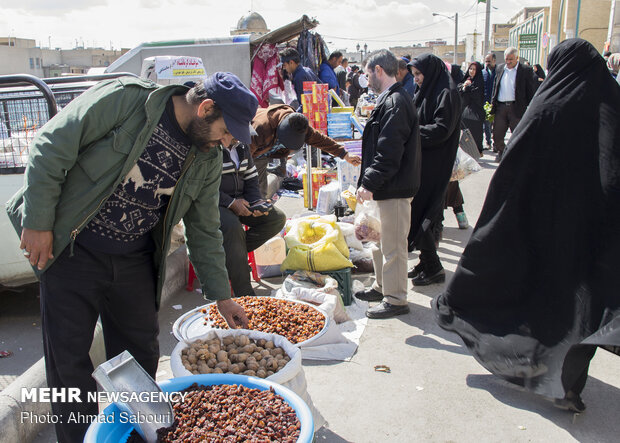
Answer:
(295, 321)
(232, 359)
(231, 413)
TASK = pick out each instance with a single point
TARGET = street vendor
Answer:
(107, 180)
(280, 130)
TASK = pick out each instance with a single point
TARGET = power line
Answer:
(375, 39)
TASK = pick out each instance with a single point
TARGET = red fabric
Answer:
(265, 75)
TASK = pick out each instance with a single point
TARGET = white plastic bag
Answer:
(315, 288)
(367, 221)
(464, 165)
(328, 197)
(348, 230)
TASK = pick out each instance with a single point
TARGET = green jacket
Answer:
(81, 155)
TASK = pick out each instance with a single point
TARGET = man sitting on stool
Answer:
(238, 194)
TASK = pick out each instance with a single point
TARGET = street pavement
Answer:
(435, 391)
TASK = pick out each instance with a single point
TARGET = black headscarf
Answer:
(456, 73)
(478, 80)
(540, 72)
(539, 279)
(436, 79)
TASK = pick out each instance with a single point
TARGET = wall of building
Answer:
(500, 36)
(594, 22)
(474, 45)
(537, 24)
(614, 28)
(25, 58)
(16, 60)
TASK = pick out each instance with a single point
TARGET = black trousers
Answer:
(75, 291)
(238, 242)
(505, 117)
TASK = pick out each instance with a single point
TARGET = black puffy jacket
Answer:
(391, 156)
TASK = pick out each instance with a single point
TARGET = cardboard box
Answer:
(347, 174)
(308, 86)
(320, 177)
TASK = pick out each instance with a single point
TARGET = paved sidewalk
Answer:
(436, 392)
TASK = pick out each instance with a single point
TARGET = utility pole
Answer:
(487, 30)
(456, 34)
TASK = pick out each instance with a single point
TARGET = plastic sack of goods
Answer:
(315, 243)
(315, 288)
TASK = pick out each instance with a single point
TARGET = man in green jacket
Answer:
(107, 180)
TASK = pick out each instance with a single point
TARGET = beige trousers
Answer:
(390, 255)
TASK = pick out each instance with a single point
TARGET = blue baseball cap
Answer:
(238, 103)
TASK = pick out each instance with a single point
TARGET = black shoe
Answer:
(571, 402)
(415, 271)
(386, 310)
(369, 295)
(424, 279)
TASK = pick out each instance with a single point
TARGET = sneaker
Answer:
(369, 295)
(386, 310)
(424, 279)
(498, 157)
(461, 218)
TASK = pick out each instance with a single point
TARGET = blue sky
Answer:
(127, 23)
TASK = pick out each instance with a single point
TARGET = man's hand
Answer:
(233, 313)
(256, 212)
(363, 194)
(355, 160)
(37, 246)
(240, 207)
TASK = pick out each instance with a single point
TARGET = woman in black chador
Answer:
(472, 99)
(535, 291)
(439, 109)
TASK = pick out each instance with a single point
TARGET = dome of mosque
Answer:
(252, 22)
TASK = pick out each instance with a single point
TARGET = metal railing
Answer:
(27, 103)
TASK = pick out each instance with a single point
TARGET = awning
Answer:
(286, 32)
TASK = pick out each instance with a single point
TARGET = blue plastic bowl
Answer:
(119, 432)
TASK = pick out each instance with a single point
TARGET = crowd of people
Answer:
(533, 295)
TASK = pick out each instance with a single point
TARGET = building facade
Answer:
(22, 56)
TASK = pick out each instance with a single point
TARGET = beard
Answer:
(200, 133)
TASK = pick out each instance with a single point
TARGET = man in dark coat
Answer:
(512, 92)
(488, 74)
(531, 297)
(390, 175)
(439, 110)
(291, 63)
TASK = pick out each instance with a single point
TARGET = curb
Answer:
(12, 427)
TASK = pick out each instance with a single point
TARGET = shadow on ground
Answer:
(598, 423)
(327, 436)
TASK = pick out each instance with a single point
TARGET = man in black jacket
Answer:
(390, 176)
(239, 193)
(513, 90)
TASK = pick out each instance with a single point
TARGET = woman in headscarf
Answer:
(456, 73)
(471, 90)
(472, 99)
(439, 109)
(539, 75)
(536, 292)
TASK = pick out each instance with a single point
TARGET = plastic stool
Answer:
(191, 275)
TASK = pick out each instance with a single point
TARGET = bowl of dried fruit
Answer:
(299, 322)
(222, 407)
